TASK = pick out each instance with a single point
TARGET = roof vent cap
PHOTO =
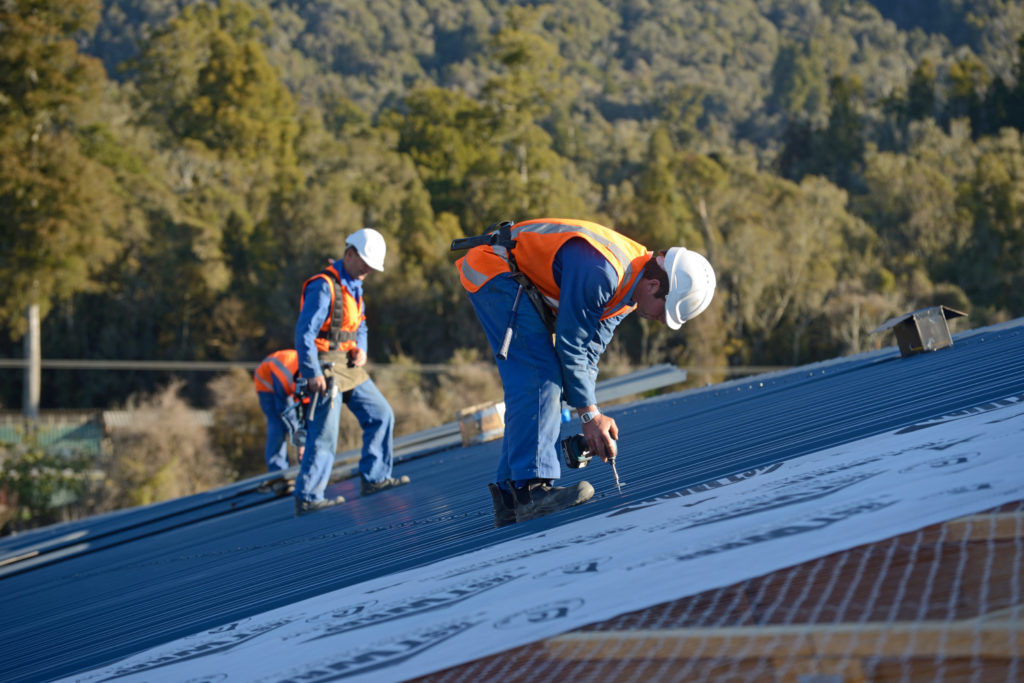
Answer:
(922, 330)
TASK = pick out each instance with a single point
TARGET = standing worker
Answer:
(275, 386)
(581, 279)
(330, 337)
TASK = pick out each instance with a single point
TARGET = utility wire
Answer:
(224, 366)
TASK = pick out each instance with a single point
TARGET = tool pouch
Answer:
(345, 378)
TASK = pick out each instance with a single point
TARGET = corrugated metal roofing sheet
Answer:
(139, 578)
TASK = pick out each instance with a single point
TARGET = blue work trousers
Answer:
(275, 453)
(532, 379)
(377, 421)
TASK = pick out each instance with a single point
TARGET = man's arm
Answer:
(315, 308)
(358, 354)
(588, 283)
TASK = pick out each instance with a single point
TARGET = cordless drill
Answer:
(576, 454)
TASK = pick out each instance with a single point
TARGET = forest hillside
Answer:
(172, 171)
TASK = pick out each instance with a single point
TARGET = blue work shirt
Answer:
(587, 282)
(315, 308)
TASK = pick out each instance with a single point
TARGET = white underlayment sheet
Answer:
(481, 603)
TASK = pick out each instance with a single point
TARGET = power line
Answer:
(225, 366)
(81, 364)
(186, 365)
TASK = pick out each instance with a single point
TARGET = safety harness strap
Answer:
(337, 335)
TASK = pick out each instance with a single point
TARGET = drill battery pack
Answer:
(575, 452)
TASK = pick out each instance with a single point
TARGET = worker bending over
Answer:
(587, 278)
(275, 387)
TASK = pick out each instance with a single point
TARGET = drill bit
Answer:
(615, 471)
(611, 461)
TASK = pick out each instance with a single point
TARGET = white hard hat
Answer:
(369, 244)
(691, 284)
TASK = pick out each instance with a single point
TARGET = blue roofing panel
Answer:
(101, 589)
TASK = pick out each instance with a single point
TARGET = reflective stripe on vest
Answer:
(537, 243)
(337, 334)
(284, 365)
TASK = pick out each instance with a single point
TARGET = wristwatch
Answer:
(589, 415)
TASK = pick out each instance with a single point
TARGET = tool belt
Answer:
(345, 377)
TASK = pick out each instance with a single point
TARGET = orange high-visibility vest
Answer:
(537, 243)
(338, 333)
(284, 365)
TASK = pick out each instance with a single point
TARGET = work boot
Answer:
(539, 498)
(504, 506)
(279, 487)
(303, 507)
(369, 487)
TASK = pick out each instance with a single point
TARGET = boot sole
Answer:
(367, 491)
(300, 511)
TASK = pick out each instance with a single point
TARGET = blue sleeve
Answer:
(361, 334)
(588, 282)
(315, 308)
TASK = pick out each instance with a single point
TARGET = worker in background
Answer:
(587, 278)
(330, 337)
(275, 386)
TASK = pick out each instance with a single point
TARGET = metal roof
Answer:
(84, 594)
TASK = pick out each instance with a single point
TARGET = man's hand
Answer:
(600, 434)
(357, 356)
(317, 385)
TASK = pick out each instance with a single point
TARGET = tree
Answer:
(921, 96)
(781, 259)
(991, 264)
(969, 81)
(664, 217)
(912, 206)
(799, 87)
(843, 141)
(230, 142)
(59, 209)
(439, 132)
(518, 172)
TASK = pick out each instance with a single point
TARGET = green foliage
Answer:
(207, 78)
(440, 131)
(991, 264)
(837, 150)
(799, 87)
(163, 453)
(38, 482)
(59, 209)
(239, 428)
(838, 162)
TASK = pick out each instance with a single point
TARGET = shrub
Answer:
(239, 428)
(39, 487)
(163, 453)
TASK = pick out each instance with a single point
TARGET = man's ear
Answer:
(653, 285)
